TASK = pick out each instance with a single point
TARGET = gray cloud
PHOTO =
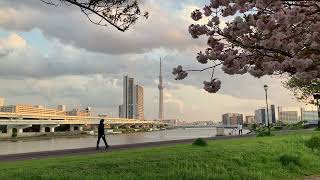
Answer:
(161, 30)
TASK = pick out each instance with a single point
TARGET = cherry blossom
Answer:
(180, 73)
(213, 86)
(259, 37)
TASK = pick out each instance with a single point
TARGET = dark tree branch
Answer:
(120, 14)
(200, 70)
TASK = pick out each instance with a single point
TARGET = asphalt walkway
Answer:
(92, 150)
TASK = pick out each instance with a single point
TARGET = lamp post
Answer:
(266, 90)
(316, 96)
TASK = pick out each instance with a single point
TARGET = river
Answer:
(59, 143)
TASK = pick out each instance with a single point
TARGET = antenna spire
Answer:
(160, 67)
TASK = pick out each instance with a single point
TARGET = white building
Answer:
(310, 116)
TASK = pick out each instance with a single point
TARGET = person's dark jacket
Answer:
(101, 129)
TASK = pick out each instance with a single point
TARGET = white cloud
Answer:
(11, 43)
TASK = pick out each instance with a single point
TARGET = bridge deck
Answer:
(15, 118)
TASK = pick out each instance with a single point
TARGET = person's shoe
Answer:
(97, 148)
(107, 146)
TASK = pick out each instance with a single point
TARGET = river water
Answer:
(59, 143)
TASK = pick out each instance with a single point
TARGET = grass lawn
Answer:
(246, 158)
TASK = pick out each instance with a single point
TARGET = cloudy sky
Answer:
(54, 55)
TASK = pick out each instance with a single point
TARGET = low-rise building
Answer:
(308, 115)
(61, 108)
(171, 122)
(77, 112)
(30, 109)
(289, 117)
(250, 120)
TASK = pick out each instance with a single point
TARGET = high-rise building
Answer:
(161, 87)
(61, 108)
(273, 114)
(139, 103)
(132, 107)
(1, 101)
(232, 119)
(261, 116)
(130, 98)
(121, 111)
(127, 107)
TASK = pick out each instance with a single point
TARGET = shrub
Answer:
(14, 134)
(200, 142)
(264, 133)
(278, 127)
(288, 159)
(313, 143)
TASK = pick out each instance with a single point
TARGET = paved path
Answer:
(311, 178)
(92, 150)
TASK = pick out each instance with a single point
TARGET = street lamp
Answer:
(266, 90)
(316, 96)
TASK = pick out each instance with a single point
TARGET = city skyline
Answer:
(74, 69)
(133, 100)
(284, 114)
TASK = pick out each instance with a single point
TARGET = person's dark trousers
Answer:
(104, 139)
(240, 132)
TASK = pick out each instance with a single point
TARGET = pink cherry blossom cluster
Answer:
(213, 86)
(180, 73)
(260, 37)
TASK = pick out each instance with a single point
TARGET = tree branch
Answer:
(200, 70)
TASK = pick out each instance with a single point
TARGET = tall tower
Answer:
(160, 86)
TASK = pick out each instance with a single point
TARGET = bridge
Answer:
(47, 121)
(210, 126)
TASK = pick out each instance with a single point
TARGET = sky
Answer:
(53, 55)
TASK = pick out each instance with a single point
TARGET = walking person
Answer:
(101, 134)
(240, 129)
